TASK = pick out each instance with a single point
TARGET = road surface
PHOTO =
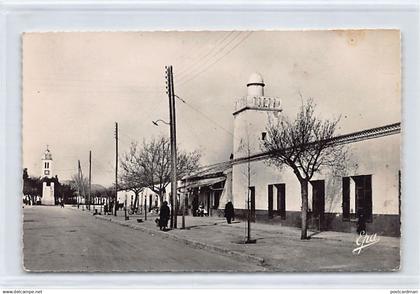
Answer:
(65, 239)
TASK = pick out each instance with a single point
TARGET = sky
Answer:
(76, 85)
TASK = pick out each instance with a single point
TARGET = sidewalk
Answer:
(277, 247)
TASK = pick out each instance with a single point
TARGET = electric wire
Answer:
(205, 68)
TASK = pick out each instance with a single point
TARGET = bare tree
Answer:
(132, 176)
(305, 145)
(79, 184)
(150, 165)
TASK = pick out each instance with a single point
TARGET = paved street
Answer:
(64, 239)
(281, 248)
(68, 239)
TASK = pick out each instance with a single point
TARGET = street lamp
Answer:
(172, 123)
(174, 196)
(156, 122)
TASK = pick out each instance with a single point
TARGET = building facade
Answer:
(367, 189)
(145, 198)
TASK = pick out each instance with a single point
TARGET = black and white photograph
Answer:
(211, 151)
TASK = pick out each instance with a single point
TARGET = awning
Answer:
(203, 183)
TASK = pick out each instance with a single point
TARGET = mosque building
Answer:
(369, 185)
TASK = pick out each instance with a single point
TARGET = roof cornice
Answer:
(363, 135)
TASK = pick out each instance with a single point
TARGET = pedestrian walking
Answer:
(164, 216)
(229, 212)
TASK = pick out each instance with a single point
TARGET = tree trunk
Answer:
(160, 198)
(136, 199)
(304, 195)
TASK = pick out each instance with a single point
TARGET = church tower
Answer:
(47, 183)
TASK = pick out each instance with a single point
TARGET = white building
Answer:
(146, 196)
(369, 185)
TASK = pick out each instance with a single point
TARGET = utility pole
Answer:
(78, 184)
(116, 168)
(90, 177)
(172, 116)
(82, 182)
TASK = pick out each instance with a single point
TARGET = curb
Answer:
(192, 243)
(207, 245)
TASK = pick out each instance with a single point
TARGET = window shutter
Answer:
(346, 198)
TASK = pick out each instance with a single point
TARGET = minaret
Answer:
(251, 116)
(250, 119)
(47, 183)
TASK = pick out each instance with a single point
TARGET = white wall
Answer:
(248, 126)
(379, 157)
(145, 193)
(48, 194)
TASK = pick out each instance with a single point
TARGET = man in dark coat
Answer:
(229, 212)
(361, 222)
(164, 215)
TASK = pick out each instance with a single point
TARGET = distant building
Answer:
(145, 197)
(370, 184)
(47, 181)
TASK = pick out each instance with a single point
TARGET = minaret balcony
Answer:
(257, 103)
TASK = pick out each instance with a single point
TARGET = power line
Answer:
(204, 57)
(207, 117)
(192, 55)
(205, 68)
(203, 61)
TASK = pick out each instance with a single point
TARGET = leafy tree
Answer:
(32, 186)
(305, 145)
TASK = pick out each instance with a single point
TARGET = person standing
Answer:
(164, 216)
(229, 212)
(361, 222)
(60, 202)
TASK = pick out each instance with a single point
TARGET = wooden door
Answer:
(318, 203)
(270, 201)
(281, 200)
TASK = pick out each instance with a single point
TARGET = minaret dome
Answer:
(255, 85)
